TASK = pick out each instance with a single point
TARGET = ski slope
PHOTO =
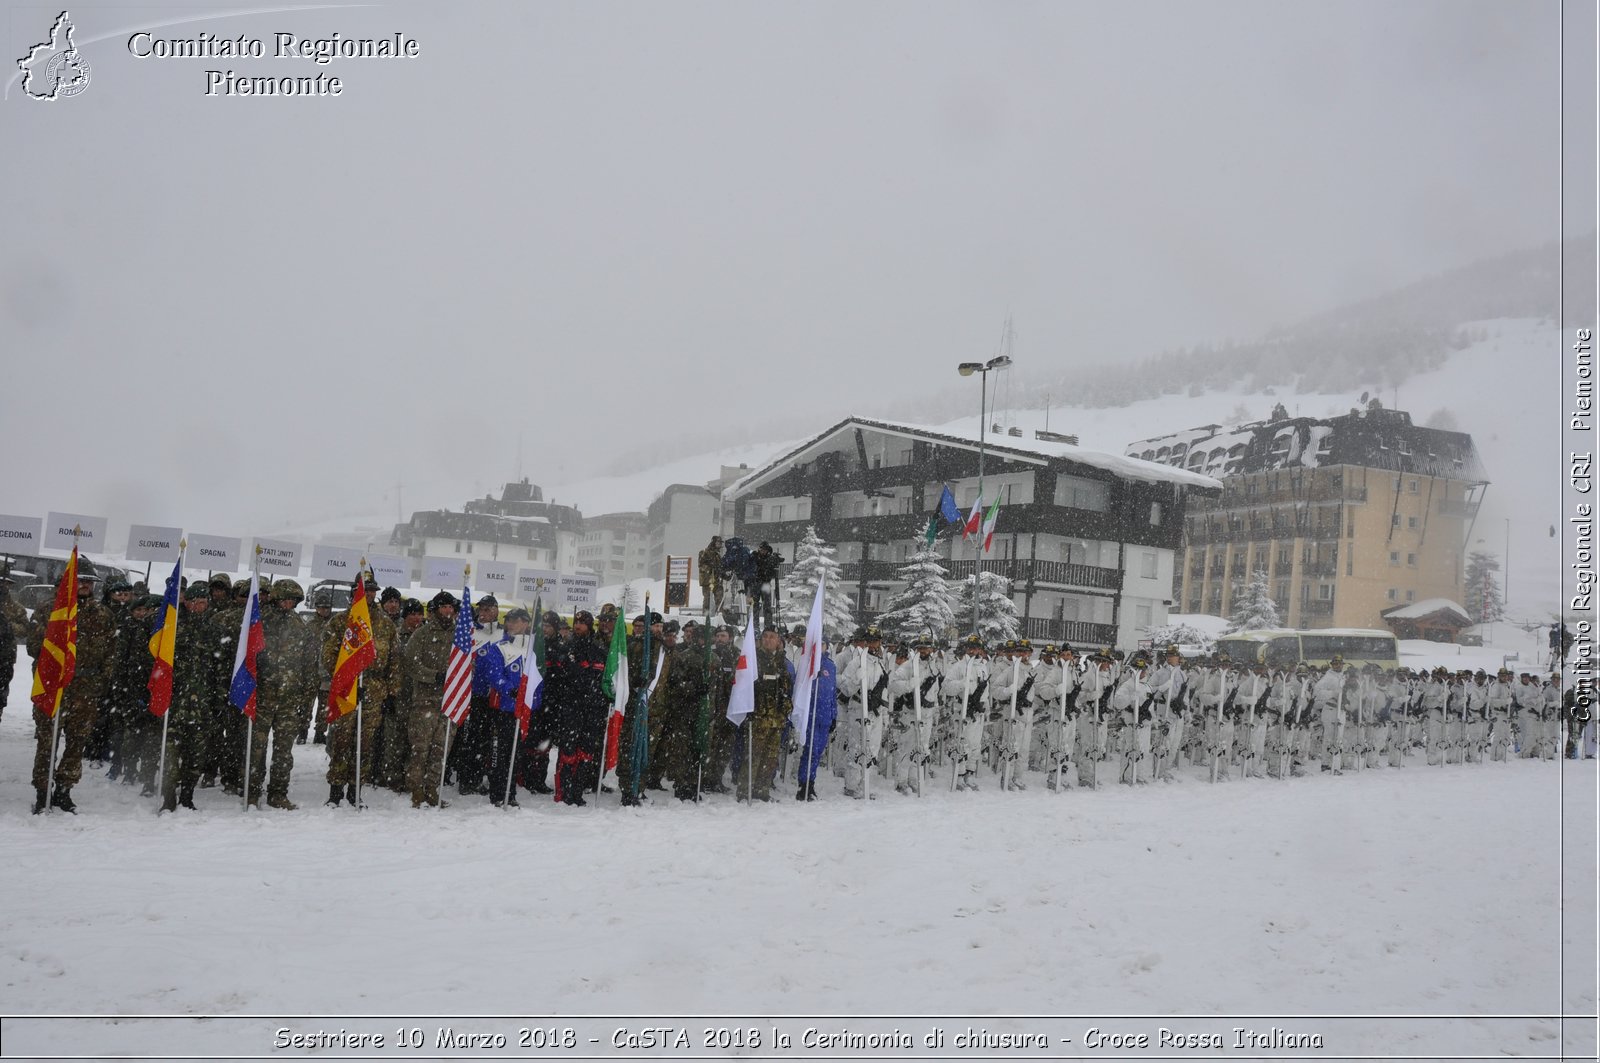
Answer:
(1389, 892)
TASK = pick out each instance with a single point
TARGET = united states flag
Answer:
(458, 673)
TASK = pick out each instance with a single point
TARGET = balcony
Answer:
(1322, 569)
(1454, 508)
(874, 571)
(1317, 607)
(1079, 633)
(1053, 573)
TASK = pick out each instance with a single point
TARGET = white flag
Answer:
(806, 673)
(742, 701)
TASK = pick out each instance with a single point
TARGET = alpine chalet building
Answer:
(1349, 515)
(1088, 539)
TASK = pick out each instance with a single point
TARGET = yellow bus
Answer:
(1285, 647)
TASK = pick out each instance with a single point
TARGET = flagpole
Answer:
(811, 728)
(161, 760)
(360, 692)
(250, 727)
(640, 753)
(916, 693)
(445, 762)
(866, 751)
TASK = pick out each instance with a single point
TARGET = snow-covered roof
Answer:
(1427, 607)
(1037, 450)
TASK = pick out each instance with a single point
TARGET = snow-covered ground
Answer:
(1443, 891)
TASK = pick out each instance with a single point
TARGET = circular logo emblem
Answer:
(67, 73)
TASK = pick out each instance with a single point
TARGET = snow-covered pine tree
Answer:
(927, 606)
(1483, 588)
(813, 559)
(1181, 635)
(1253, 607)
(997, 613)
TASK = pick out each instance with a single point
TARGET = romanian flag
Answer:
(989, 520)
(58, 659)
(164, 644)
(357, 653)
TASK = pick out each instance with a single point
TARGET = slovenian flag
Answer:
(164, 644)
(252, 637)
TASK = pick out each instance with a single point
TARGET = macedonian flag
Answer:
(356, 654)
(58, 658)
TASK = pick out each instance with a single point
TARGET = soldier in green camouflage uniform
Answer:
(225, 741)
(321, 623)
(640, 672)
(687, 683)
(425, 658)
(134, 736)
(197, 677)
(376, 686)
(774, 691)
(80, 700)
(286, 678)
(719, 742)
(394, 745)
(14, 631)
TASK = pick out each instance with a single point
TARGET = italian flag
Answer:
(971, 526)
(989, 520)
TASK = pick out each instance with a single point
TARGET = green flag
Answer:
(933, 529)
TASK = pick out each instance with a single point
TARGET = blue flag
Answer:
(947, 507)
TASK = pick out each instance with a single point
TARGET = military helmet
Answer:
(671, 627)
(323, 599)
(1335, 659)
(1139, 661)
(221, 579)
(922, 642)
(444, 598)
(1024, 645)
(241, 589)
(1048, 650)
(392, 594)
(116, 584)
(197, 590)
(1173, 651)
(148, 601)
(972, 642)
(609, 611)
(287, 588)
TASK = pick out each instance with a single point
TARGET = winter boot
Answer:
(186, 797)
(63, 800)
(418, 799)
(207, 781)
(42, 801)
(350, 795)
(281, 801)
(335, 795)
(169, 801)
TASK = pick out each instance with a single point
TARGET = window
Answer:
(533, 555)
(1078, 492)
(1394, 595)
(1350, 528)
(1394, 557)
(1396, 521)
(1155, 514)
(1141, 617)
(1412, 487)
(1411, 559)
(752, 511)
(716, 514)
(1147, 564)
(469, 546)
(905, 456)
(858, 508)
(619, 551)
(1325, 592)
(1411, 596)
(802, 509)
(777, 512)
(458, 546)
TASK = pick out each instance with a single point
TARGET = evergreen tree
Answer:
(814, 559)
(997, 613)
(1483, 588)
(926, 606)
(1180, 635)
(1253, 607)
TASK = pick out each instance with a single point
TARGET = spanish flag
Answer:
(356, 654)
(58, 658)
(164, 644)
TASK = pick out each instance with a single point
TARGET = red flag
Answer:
(58, 659)
(357, 653)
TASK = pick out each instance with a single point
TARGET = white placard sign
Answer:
(58, 532)
(495, 577)
(579, 590)
(146, 542)
(219, 553)
(335, 562)
(279, 556)
(20, 535)
(390, 570)
(537, 583)
(442, 572)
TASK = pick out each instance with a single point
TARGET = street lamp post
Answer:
(982, 369)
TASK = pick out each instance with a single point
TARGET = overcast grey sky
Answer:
(596, 223)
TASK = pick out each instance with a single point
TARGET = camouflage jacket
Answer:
(381, 680)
